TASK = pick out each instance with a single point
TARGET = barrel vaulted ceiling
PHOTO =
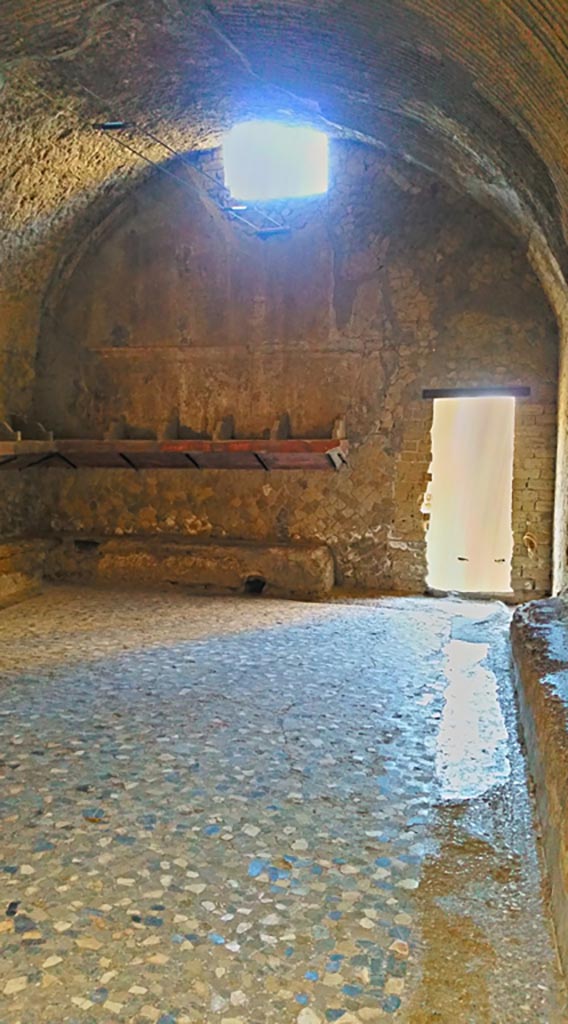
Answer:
(476, 90)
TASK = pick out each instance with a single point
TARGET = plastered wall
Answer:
(390, 284)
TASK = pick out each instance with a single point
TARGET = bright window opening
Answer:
(469, 498)
(270, 160)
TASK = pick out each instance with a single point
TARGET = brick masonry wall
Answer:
(533, 493)
(390, 284)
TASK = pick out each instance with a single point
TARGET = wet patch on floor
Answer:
(472, 752)
(218, 811)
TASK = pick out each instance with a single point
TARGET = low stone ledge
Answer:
(539, 633)
(21, 569)
(301, 570)
(16, 587)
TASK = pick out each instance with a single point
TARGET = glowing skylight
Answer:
(270, 160)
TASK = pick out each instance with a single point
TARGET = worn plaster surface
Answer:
(474, 94)
(249, 811)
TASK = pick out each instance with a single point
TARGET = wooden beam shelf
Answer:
(289, 453)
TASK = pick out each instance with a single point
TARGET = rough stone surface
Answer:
(390, 284)
(540, 650)
(21, 569)
(301, 570)
(17, 586)
(237, 810)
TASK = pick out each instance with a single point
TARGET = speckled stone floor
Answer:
(250, 811)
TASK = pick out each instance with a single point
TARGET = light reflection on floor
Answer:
(471, 755)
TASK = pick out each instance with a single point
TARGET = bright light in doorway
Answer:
(470, 539)
(270, 160)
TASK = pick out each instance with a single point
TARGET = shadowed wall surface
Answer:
(390, 284)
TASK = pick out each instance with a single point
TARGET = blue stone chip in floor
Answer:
(248, 811)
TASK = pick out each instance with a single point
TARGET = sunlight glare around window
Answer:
(270, 160)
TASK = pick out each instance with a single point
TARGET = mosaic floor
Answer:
(250, 811)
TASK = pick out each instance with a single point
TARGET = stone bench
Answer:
(21, 569)
(296, 570)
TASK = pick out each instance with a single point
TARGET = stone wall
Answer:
(390, 284)
(560, 561)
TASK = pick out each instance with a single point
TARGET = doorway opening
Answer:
(469, 495)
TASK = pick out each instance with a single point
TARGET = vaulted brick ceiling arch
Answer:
(477, 91)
